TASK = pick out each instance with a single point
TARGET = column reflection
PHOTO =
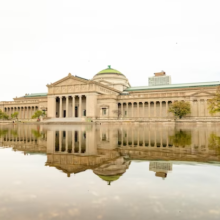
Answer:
(109, 150)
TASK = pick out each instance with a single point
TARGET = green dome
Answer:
(109, 179)
(109, 70)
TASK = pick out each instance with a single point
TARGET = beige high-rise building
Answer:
(109, 95)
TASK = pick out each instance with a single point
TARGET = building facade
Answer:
(110, 96)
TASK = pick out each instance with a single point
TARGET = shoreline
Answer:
(117, 122)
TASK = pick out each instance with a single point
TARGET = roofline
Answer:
(81, 77)
(172, 86)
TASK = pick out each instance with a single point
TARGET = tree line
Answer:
(14, 116)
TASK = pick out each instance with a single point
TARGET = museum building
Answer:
(109, 95)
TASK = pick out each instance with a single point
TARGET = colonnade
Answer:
(159, 138)
(24, 112)
(144, 109)
(24, 135)
(70, 142)
(199, 108)
(71, 106)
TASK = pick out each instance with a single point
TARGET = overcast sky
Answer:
(42, 41)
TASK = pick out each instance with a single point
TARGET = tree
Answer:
(14, 115)
(36, 133)
(214, 103)
(3, 115)
(3, 132)
(14, 133)
(38, 113)
(180, 108)
(118, 112)
(214, 143)
(181, 138)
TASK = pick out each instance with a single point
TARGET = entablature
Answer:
(6, 103)
(90, 87)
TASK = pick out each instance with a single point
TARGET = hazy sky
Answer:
(42, 41)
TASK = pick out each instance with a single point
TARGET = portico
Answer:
(70, 106)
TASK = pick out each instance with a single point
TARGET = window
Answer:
(104, 111)
(104, 138)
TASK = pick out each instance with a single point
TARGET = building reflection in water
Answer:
(160, 168)
(109, 150)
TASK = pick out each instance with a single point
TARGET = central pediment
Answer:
(69, 81)
(74, 84)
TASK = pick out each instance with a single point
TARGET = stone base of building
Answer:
(190, 120)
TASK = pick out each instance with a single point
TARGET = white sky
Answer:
(42, 41)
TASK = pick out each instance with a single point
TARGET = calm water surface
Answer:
(109, 172)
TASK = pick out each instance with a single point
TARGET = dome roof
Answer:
(109, 179)
(109, 70)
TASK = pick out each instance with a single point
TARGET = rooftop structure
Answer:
(109, 70)
(112, 78)
(159, 78)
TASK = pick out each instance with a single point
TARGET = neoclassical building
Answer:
(109, 95)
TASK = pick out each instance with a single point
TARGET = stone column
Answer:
(30, 115)
(166, 115)
(22, 113)
(80, 140)
(155, 110)
(27, 112)
(80, 106)
(67, 136)
(198, 106)
(149, 110)
(127, 109)
(67, 106)
(143, 103)
(121, 136)
(138, 110)
(132, 109)
(73, 141)
(61, 107)
(73, 106)
(60, 141)
(122, 110)
(206, 108)
(160, 109)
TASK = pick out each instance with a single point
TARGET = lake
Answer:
(109, 172)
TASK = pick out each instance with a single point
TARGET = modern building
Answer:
(160, 168)
(109, 95)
